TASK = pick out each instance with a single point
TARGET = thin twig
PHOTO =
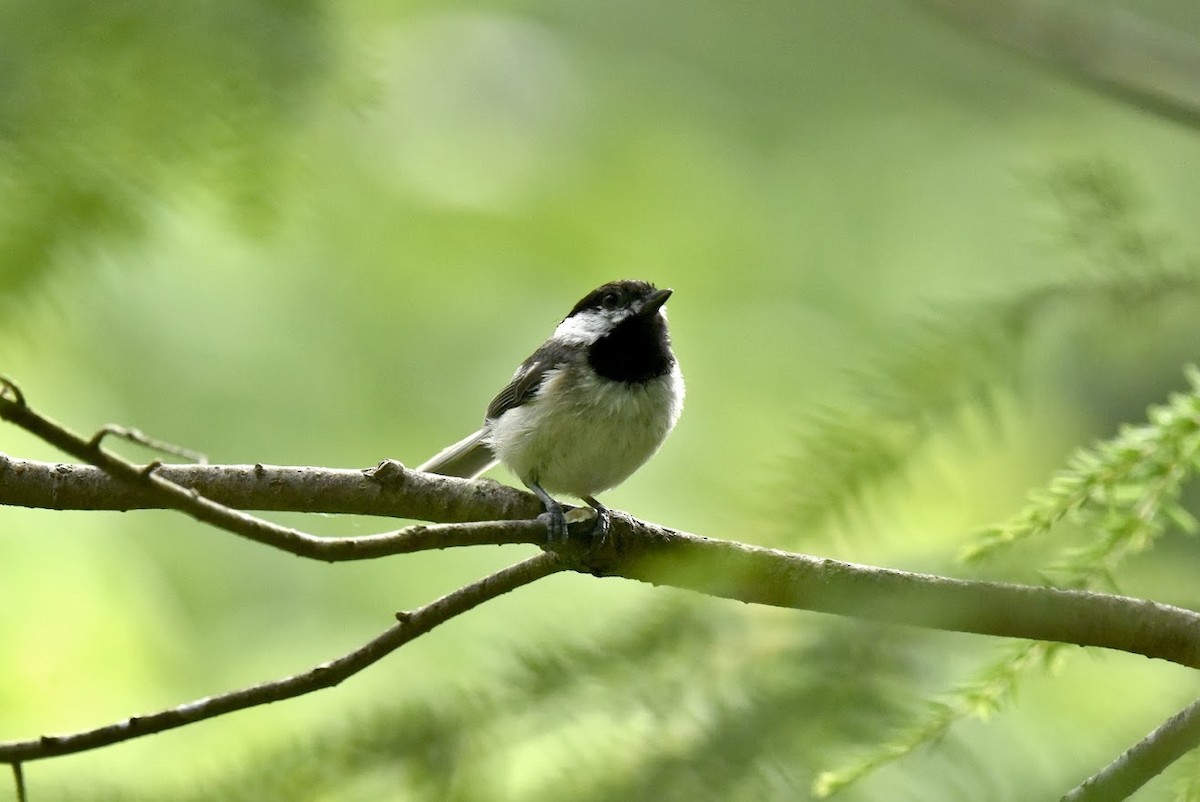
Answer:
(326, 675)
(146, 441)
(19, 779)
(1144, 760)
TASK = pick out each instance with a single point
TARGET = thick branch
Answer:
(326, 675)
(384, 490)
(758, 575)
(1144, 760)
(387, 488)
(650, 553)
(150, 480)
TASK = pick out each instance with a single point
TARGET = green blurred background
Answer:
(324, 233)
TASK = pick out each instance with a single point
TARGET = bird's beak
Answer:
(654, 302)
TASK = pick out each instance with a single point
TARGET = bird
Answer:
(586, 409)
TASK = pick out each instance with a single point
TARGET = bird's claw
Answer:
(557, 524)
(600, 527)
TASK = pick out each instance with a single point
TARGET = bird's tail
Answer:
(467, 458)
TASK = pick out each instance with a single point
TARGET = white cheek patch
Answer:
(585, 328)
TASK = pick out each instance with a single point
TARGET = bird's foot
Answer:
(556, 522)
(600, 527)
(599, 520)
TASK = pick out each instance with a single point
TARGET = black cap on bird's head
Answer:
(638, 297)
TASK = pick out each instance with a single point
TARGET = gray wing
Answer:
(527, 380)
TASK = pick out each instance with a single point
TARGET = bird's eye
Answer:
(610, 300)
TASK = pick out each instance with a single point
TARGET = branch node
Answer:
(10, 389)
(404, 616)
(387, 472)
(588, 551)
(104, 431)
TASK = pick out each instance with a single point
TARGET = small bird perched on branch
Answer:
(587, 408)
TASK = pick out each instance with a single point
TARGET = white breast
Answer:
(582, 434)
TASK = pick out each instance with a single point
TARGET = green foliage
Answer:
(1124, 494)
(1125, 491)
(969, 352)
(1100, 223)
(106, 106)
(980, 697)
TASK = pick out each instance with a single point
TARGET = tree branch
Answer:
(1146, 65)
(326, 675)
(422, 492)
(654, 554)
(650, 553)
(385, 490)
(57, 486)
(1144, 760)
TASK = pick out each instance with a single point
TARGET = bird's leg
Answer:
(600, 529)
(558, 521)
